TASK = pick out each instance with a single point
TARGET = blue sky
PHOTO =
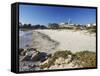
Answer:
(48, 14)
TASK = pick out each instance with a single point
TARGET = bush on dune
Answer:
(56, 55)
(88, 58)
(85, 58)
(91, 29)
(63, 54)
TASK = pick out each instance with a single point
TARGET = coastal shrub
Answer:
(69, 28)
(83, 58)
(63, 54)
(77, 28)
(92, 31)
(87, 58)
(56, 55)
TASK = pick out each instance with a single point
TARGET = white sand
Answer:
(72, 40)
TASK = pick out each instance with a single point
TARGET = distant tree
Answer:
(25, 25)
(53, 25)
(37, 26)
(43, 27)
(29, 25)
(66, 22)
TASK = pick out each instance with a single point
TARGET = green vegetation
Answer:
(56, 55)
(69, 28)
(91, 29)
(63, 54)
(88, 58)
(85, 58)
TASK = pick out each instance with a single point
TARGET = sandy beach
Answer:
(72, 40)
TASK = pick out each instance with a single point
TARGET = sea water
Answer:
(25, 38)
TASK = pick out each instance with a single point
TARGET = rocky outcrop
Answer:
(32, 54)
(30, 59)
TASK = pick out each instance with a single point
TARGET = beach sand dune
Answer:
(71, 40)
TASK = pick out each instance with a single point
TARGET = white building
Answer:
(62, 23)
(89, 25)
(94, 24)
